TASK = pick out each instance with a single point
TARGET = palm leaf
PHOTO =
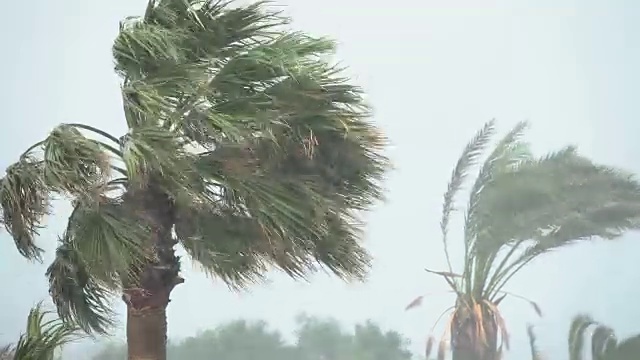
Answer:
(604, 344)
(509, 152)
(237, 248)
(42, 337)
(577, 329)
(24, 199)
(568, 199)
(80, 298)
(101, 247)
(73, 164)
(469, 158)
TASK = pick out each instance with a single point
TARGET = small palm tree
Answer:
(42, 339)
(519, 208)
(243, 144)
(604, 344)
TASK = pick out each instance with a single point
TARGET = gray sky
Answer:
(435, 73)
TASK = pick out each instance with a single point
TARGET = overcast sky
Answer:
(435, 71)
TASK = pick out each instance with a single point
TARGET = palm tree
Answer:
(42, 338)
(243, 144)
(519, 208)
(604, 344)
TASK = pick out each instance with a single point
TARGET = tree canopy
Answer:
(314, 339)
(256, 145)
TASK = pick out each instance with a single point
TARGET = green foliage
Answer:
(262, 145)
(42, 339)
(315, 339)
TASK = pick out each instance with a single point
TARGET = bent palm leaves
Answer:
(520, 207)
(604, 344)
(241, 138)
(42, 338)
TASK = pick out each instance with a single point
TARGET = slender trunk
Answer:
(147, 294)
(472, 342)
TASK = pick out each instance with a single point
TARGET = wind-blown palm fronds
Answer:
(520, 207)
(604, 343)
(42, 339)
(242, 140)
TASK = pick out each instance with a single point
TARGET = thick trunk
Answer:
(472, 341)
(147, 333)
(147, 295)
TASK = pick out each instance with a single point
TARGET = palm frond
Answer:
(73, 164)
(579, 326)
(149, 150)
(225, 245)
(42, 338)
(109, 238)
(469, 158)
(509, 152)
(568, 198)
(24, 198)
(169, 57)
(604, 344)
(69, 163)
(80, 297)
(603, 341)
(101, 246)
(237, 247)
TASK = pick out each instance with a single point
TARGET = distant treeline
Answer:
(315, 339)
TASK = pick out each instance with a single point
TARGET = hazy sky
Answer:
(435, 72)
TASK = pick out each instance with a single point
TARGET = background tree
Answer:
(520, 207)
(43, 338)
(326, 339)
(315, 339)
(241, 138)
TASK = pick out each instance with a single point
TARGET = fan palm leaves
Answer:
(44, 337)
(520, 207)
(243, 141)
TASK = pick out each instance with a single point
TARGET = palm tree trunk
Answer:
(467, 342)
(147, 295)
(147, 333)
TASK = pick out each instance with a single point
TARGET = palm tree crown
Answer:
(241, 135)
(520, 207)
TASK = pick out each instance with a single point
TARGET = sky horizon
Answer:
(434, 72)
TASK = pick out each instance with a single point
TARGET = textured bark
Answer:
(466, 341)
(147, 294)
(147, 333)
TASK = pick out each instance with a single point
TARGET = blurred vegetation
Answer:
(314, 339)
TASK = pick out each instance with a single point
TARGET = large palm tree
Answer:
(43, 338)
(520, 207)
(243, 144)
